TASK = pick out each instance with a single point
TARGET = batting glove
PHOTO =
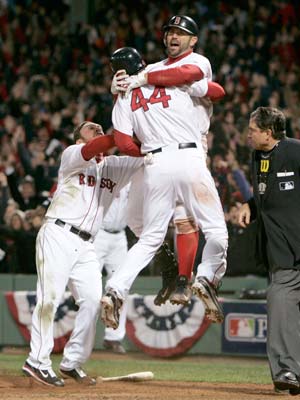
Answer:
(118, 84)
(135, 81)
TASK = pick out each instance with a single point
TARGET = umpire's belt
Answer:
(181, 146)
(82, 234)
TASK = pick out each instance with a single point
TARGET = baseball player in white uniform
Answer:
(111, 247)
(65, 254)
(166, 121)
(206, 91)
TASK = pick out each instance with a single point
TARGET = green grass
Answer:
(193, 369)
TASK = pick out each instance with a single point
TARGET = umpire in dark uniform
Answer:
(276, 207)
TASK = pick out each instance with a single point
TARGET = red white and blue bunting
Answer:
(164, 331)
(21, 305)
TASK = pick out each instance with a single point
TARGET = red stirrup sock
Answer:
(187, 245)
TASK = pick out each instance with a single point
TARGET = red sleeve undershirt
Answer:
(126, 144)
(175, 76)
(215, 91)
(99, 144)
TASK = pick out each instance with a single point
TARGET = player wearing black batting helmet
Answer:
(127, 58)
(183, 22)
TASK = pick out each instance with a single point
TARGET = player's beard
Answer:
(177, 49)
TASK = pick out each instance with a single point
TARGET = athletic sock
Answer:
(187, 245)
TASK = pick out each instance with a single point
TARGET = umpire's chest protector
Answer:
(279, 207)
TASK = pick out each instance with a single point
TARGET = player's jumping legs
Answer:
(203, 202)
(187, 237)
(159, 205)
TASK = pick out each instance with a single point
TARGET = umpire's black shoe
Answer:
(286, 380)
(45, 376)
(182, 293)
(78, 375)
(208, 294)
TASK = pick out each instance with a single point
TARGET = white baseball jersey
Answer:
(86, 189)
(158, 132)
(196, 89)
(116, 218)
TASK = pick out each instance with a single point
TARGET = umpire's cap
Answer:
(183, 22)
(127, 58)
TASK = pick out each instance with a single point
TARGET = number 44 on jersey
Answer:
(158, 96)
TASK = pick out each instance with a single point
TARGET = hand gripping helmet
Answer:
(127, 58)
(183, 22)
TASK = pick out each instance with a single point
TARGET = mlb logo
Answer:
(286, 185)
(240, 327)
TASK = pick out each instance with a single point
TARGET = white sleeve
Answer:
(72, 159)
(121, 169)
(196, 89)
(202, 62)
(121, 116)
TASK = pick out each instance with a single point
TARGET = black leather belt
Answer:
(180, 146)
(82, 234)
(111, 231)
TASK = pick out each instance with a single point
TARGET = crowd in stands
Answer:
(54, 75)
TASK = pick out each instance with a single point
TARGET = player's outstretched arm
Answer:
(99, 144)
(126, 144)
(177, 76)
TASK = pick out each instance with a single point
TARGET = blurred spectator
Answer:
(4, 195)
(19, 238)
(55, 74)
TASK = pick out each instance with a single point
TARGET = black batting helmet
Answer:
(127, 58)
(183, 22)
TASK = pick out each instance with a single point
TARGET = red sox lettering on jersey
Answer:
(90, 180)
(107, 183)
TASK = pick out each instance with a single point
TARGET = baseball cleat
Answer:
(182, 293)
(110, 309)
(79, 376)
(164, 294)
(169, 271)
(206, 292)
(44, 376)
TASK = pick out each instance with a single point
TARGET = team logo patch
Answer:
(177, 21)
(164, 331)
(246, 327)
(286, 185)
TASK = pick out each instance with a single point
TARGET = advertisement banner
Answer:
(244, 330)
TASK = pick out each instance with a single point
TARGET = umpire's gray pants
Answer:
(283, 337)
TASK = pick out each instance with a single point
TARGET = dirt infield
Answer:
(15, 388)
(19, 387)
